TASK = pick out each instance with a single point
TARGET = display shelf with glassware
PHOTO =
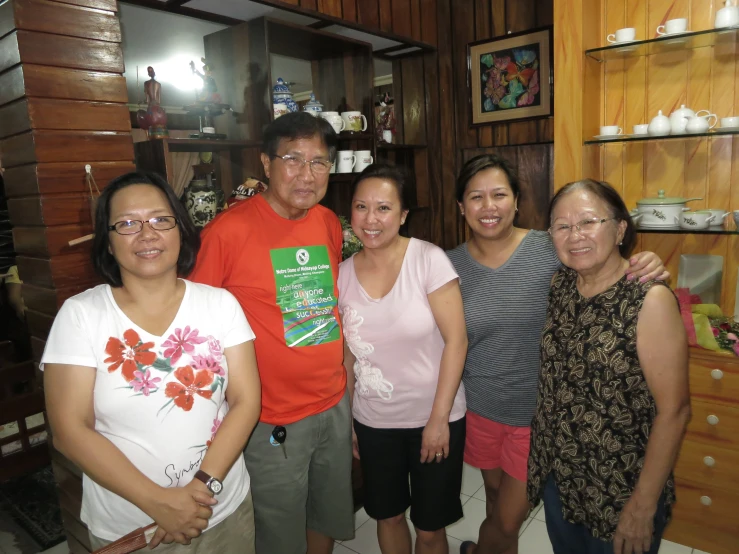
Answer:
(663, 44)
(680, 231)
(386, 146)
(718, 132)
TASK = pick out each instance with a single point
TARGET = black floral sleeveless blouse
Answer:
(594, 410)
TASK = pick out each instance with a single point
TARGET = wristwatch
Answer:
(214, 485)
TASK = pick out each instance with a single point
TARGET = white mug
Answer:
(209, 130)
(622, 35)
(335, 120)
(355, 121)
(364, 159)
(345, 161)
(730, 122)
(280, 109)
(642, 129)
(610, 130)
(673, 26)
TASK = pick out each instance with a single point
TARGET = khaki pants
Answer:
(233, 534)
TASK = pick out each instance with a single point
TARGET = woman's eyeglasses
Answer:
(584, 227)
(133, 226)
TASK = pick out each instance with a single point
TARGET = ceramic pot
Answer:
(679, 120)
(694, 220)
(201, 201)
(661, 211)
(718, 216)
(728, 16)
(313, 106)
(281, 95)
(659, 126)
(699, 123)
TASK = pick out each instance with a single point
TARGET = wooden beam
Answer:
(320, 24)
(189, 12)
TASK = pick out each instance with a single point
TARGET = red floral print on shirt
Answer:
(190, 384)
(128, 353)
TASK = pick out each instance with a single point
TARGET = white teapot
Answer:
(679, 120)
(728, 16)
(699, 123)
(659, 126)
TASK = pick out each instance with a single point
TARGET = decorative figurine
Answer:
(250, 187)
(209, 93)
(282, 99)
(154, 119)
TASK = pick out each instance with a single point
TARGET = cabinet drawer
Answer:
(714, 424)
(708, 465)
(704, 518)
(715, 379)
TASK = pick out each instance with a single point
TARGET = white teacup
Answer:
(694, 220)
(364, 159)
(607, 130)
(730, 122)
(345, 160)
(355, 121)
(718, 216)
(735, 214)
(280, 110)
(673, 27)
(642, 129)
(335, 120)
(622, 35)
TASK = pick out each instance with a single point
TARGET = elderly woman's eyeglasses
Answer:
(584, 227)
(133, 226)
(295, 164)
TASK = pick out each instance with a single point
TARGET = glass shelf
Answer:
(660, 45)
(644, 138)
(679, 231)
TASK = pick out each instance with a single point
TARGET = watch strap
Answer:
(202, 476)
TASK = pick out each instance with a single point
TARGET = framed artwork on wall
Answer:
(510, 77)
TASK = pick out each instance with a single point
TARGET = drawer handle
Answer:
(712, 420)
(706, 500)
(717, 374)
(709, 461)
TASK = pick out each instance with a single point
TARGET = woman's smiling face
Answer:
(489, 205)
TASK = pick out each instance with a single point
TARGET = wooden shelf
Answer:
(354, 136)
(660, 45)
(679, 231)
(385, 146)
(686, 136)
(207, 145)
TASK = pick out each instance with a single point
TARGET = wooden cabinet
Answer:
(707, 470)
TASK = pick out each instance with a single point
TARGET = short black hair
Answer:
(103, 261)
(480, 163)
(613, 202)
(390, 173)
(299, 125)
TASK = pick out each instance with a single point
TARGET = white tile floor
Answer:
(534, 539)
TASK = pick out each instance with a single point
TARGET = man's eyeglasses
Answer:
(294, 164)
(585, 227)
(133, 226)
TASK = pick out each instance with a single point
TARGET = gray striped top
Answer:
(505, 310)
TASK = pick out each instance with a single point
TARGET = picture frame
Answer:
(510, 78)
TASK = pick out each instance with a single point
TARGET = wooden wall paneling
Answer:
(330, 7)
(463, 26)
(398, 102)
(633, 183)
(47, 242)
(368, 13)
(401, 13)
(483, 30)
(48, 301)
(447, 234)
(69, 52)
(39, 324)
(613, 164)
(64, 146)
(438, 187)
(662, 10)
(636, 16)
(54, 178)
(635, 87)
(422, 181)
(309, 4)
(414, 101)
(520, 15)
(71, 84)
(696, 173)
(53, 210)
(534, 167)
(429, 28)
(416, 32)
(107, 5)
(349, 10)
(385, 8)
(11, 85)
(64, 19)
(57, 272)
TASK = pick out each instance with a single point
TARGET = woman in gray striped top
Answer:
(505, 273)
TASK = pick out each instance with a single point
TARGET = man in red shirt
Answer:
(278, 253)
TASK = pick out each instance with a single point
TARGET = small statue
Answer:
(154, 119)
(209, 93)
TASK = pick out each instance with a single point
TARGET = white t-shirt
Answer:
(396, 341)
(159, 400)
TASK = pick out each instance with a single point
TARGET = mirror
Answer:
(701, 274)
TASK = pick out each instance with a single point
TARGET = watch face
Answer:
(215, 486)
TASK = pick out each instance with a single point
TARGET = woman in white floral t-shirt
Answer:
(151, 382)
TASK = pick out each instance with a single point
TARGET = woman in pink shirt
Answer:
(405, 344)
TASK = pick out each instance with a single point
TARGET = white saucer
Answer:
(668, 227)
(638, 135)
(726, 128)
(608, 137)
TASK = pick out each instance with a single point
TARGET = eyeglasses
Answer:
(133, 226)
(585, 227)
(294, 164)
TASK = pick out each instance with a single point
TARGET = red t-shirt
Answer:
(283, 273)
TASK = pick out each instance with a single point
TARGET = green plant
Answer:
(351, 244)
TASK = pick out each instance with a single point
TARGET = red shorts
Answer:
(492, 445)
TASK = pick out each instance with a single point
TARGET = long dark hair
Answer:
(612, 200)
(105, 264)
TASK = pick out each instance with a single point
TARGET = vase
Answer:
(201, 201)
